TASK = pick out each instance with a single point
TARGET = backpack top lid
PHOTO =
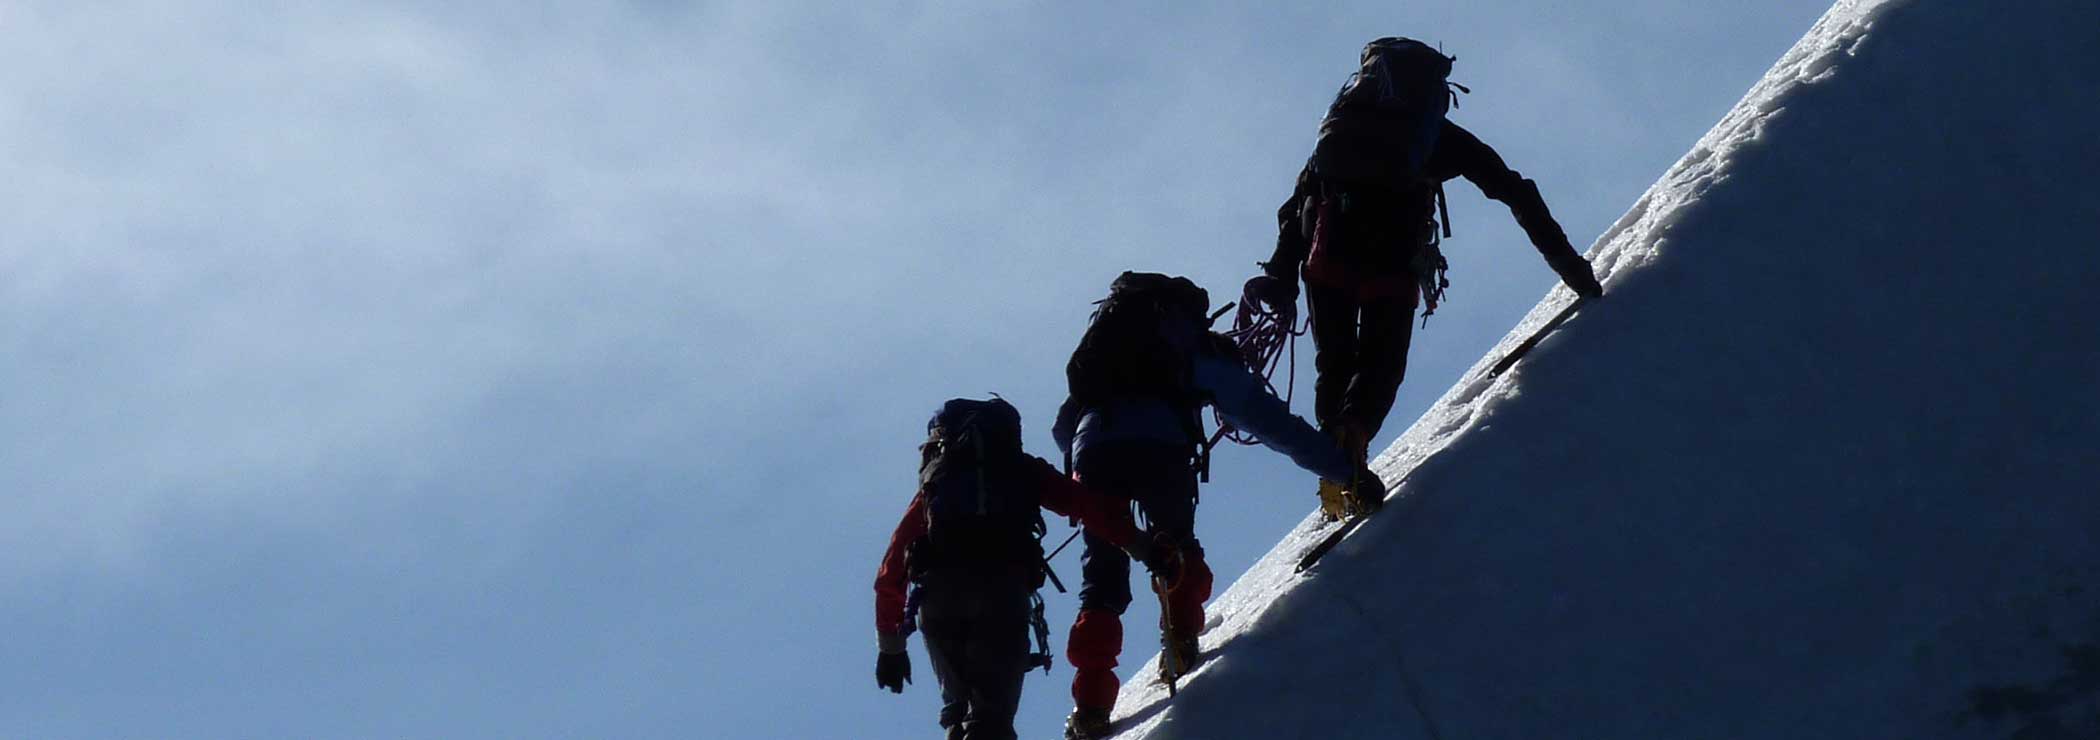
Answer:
(1399, 45)
(1169, 294)
(994, 423)
(1138, 341)
(1406, 73)
(982, 512)
(1383, 125)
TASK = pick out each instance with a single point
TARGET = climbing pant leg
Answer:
(1385, 329)
(977, 641)
(1104, 575)
(1158, 477)
(998, 646)
(1334, 313)
(1092, 648)
(1185, 599)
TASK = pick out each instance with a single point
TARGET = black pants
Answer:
(976, 633)
(1360, 355)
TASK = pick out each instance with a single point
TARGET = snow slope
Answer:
(1822, 464)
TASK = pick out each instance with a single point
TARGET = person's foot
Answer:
(1366, 494)
(1087, 724)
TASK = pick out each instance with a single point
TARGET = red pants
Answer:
(1097, 637)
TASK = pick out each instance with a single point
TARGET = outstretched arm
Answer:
(1247, 405)
(1104, 516)
(1479, 164)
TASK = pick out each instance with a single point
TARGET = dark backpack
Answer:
(1372, 162)
(1384, 123)
(983, 510)
(1126, 350)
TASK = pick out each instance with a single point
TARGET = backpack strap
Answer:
(1443, 209)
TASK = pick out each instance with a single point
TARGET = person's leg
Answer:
(1333, 313)
(1096, 639)
(1169, 502)
(944, 624)
(1387, 327)
(998, 661)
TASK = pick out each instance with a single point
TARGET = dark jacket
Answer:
(1458, 153)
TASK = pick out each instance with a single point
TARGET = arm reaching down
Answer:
(1100, 514)
(1245, 403)
(1460, 153)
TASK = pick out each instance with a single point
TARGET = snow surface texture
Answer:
(1821, 465)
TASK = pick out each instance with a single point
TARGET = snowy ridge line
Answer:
(1640, 235)
(1635, 240)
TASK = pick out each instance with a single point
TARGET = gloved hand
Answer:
(1278, 294)
(893, 671)
(1579, 276)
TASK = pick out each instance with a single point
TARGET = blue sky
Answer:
(543, 371)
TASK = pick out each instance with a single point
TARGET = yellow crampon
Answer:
(1334, 500)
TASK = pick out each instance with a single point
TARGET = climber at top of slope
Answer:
(1362, 225)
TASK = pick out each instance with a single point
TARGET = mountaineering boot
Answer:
(1337, 498)
(1087, 724)
(1366, 494)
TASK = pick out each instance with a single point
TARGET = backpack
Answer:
(1138, 344)
(1373, 154)
(1383, 124)
(983, 511)
(1128, 348)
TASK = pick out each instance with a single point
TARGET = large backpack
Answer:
(983, 511)
(1383, 125)
(1371, 161)
(1138, 344)
(1127, 350)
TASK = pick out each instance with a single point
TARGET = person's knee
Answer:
(1104, 580)
(1103, 595)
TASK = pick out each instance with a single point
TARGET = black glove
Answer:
(1284, 271)
(893, 671)
(1579, 276)
(1279, 295)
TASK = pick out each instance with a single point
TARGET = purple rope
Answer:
(1263, 338)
